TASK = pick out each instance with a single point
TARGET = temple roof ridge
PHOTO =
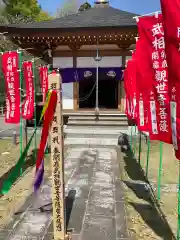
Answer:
(90, 18)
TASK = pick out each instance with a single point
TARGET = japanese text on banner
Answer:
(161, 75)
(43, 72)
(11, 75)
(28, 106)
(141, 87)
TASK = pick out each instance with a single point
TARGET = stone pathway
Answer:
(95, 202)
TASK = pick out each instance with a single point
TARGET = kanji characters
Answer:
(155, 55)
(157, 29)
(164, 64)
(161, 99)
(163, 54)
(161, 88)
(159, 43)
(161, 75)
(155, 64)
(163, 113)
(163, 126)
(178, 32)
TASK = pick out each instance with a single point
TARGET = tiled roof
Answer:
(92, 18)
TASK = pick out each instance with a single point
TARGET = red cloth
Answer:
(127, 100)
(132, 77)
(142, 88)
(11, 76)
(154, 66)
(43, 74)
(130, 89)
(48, 117)
(28, 106)
(171, 23)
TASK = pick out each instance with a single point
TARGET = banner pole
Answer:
(147, 159)
(21, 119)
(35, 117)
(131, 137)
(178, 228)
(139, 158)
(135, 142)
(160, 171)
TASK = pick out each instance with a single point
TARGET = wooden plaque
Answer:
(57, 159)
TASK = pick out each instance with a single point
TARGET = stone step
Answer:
(96, 128)
(97, 123)
(92, 113)
(85, 130)
(92, 135)
(91, 141)
(101, 118)
(89, 133)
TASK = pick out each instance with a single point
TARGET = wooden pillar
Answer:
(122, 86)
(75, 85)
(57, 160)
(119, 95)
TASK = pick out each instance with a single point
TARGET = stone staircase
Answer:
(85, 129)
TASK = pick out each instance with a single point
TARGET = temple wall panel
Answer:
(67, 88)
(128, 57)
(113, 61)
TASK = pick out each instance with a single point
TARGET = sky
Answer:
(134, 6)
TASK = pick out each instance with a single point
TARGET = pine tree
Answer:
(84, 7)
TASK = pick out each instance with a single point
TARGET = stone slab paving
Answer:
(95, 202)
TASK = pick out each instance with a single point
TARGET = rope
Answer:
(84, 98)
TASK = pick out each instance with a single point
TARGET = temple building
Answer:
(90, 49)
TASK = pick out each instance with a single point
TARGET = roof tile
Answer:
(91, 18)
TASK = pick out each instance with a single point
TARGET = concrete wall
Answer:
(105, 62)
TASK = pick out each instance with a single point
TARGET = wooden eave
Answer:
(98, 31)
(75, 39)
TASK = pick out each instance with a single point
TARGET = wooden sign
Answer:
(57, 159)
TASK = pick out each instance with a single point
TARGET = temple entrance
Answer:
(108, 93)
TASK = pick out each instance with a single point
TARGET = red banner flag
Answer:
(131, 67)
(134, 86)
(152, 34)
(43, 73)
(142, 88)
(11, 75)
(28, 106)
(126, 88)
(171, 22)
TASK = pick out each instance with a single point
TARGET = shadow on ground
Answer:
(154, 220)
(150, 211)
(132, 167)
(69, 205)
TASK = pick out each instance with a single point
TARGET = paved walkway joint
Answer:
(94, 203)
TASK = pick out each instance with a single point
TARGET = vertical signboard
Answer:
(57, 159)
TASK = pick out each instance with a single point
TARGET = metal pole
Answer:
(21, 119)
(160, 171)
(178, 229)
(147, 159)
(35, 117)
(140, 148)
(97, 81)
(135, 140)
